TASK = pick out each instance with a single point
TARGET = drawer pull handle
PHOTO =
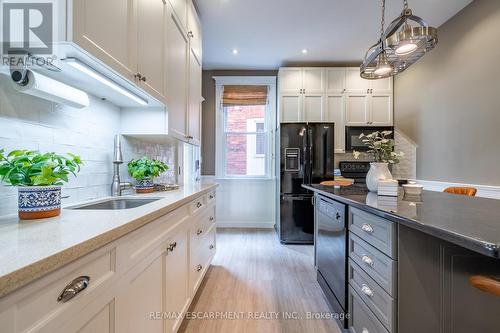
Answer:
(199, 268)
(367, 228)
(486, 283)
(366, 290)
(364, 330)
(199, 232)
(337, 216)
(211, 218)
(367, 260)
(211, 247)
(172, 246)
(211, 196)
(199, 204)
(74, 288)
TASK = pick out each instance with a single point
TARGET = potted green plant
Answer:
(144, 170)
(381, 149)
(38, 177)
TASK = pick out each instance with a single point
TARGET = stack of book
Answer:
(388, 188)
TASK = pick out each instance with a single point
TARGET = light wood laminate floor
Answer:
(252, 272)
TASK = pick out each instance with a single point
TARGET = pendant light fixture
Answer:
(400, 46)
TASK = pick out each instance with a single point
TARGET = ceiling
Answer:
(272, 33)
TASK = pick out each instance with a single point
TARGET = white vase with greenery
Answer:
(381, 150)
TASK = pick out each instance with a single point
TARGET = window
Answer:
(244, 139)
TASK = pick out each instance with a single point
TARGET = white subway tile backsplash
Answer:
(27, 122)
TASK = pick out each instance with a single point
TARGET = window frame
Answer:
(269, 124)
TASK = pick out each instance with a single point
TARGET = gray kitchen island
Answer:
(408, 264)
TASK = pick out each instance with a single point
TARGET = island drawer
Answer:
(376, 264)
(376, 298)
(377, 231)
(333, 209)
(362, 320)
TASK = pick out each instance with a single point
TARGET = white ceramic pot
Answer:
(378, 171)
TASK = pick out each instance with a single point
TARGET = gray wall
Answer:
(449, 102)
(208, 114)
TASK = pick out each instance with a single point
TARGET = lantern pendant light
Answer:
(400, 46)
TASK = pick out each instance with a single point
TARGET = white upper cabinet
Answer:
(381, 86)
(290, 80)
(177, 69)
(355, 83)
(357, 110)
(151, 37)
(180, 8)
(314, 107)
(195, 99)
(110, 40)
(313, 80)
(335, 80)
(335, 106)
(194, 32)
(291, 108)
(381, 110)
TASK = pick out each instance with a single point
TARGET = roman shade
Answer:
(244, 95)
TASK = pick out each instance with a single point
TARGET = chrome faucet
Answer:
(117, 186)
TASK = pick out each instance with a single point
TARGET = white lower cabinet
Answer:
(142, 282)
(177, 279)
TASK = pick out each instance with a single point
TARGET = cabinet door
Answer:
(151, 37)
(177, 279)
(143, 293)
(194, 105)
(354, 82)
(357, 109)
(180, 8)
(335, 80)
(111, 41)
(382, 86)
(291, 106)
(381, 110)
(314, 107)
(290, 80)
(335, 113)
(313, 80)
(194, 32)
(177, 67)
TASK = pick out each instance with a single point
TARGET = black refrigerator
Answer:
(306, 157)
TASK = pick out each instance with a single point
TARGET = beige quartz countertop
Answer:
(32, 249)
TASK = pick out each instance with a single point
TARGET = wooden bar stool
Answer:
(468, 191)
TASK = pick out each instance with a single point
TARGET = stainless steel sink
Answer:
(117, 204)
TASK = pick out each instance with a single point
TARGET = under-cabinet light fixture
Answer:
(84, 68)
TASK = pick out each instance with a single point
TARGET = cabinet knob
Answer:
(366, 290)
(367, 260)
(199, 232)
(138, 76)
(199, 268)
(211, 247)
(199, 204)
(367, 228)
(211, 218)
(74, 288)
(143, 79)
(190, 34)
(172, 246)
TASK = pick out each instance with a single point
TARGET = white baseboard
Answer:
(245, 224)
(483, 191)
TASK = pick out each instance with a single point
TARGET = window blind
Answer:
(244, 95)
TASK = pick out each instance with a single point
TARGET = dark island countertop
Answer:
(470, 222)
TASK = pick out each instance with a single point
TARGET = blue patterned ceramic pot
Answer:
(38, 202)
(145, 185)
